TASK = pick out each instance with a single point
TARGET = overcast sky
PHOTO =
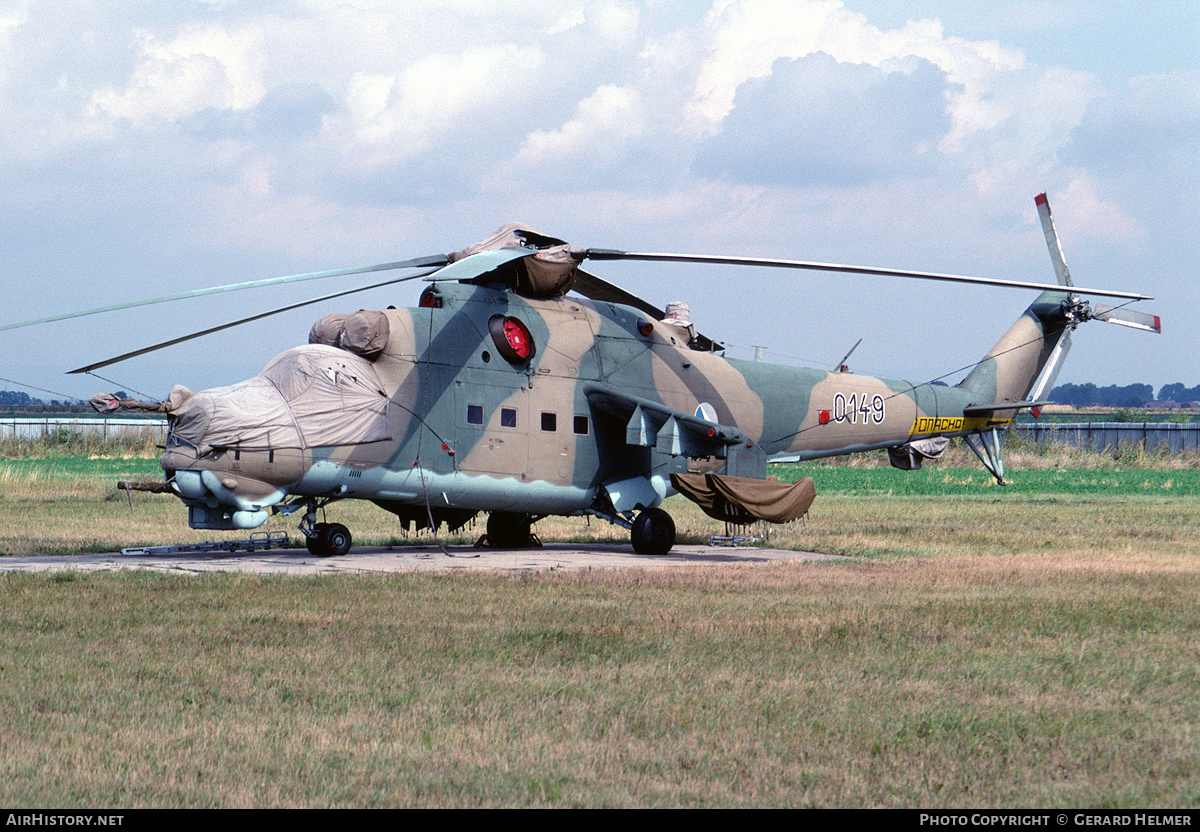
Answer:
(150, 147)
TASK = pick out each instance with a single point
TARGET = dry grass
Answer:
(998, 648)
(122, 443)
(911, 682)
(1073, 500)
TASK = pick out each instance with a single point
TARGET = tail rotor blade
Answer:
(1056, 256)
(1128, 317)
(1109, 314)
(1058, 354)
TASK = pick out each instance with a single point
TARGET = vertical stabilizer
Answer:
(1028, 356)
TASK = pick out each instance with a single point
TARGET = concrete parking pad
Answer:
(414, 559)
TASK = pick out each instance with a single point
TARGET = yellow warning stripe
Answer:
(954, 424)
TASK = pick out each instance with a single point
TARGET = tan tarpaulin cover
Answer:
(548, 274)
(326, 329)
(108, 403)
(308, 397)
(909, 456)
(744, 500)
(365, 333)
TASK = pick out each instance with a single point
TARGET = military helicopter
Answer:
(523, 386)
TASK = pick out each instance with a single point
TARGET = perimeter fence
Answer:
(1112, 436)
(1100, 436)
(41, 428)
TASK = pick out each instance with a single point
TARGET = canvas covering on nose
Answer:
(310, 396)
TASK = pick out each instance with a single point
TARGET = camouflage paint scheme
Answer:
(504, 393)
(610, 403)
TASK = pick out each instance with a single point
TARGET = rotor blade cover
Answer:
(744, 500)
(548, 264)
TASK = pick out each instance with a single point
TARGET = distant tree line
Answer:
(1178, 393)
(1089, 395)
(16, 400)
(13, 398)
(1131, 395)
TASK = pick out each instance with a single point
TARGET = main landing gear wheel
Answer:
(653, 532)
(329, 540)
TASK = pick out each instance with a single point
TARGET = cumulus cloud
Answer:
(200, 69)
(814, 121)
(1007, 117)
(440, 96)
(1151, 121)
(1087, 215)
(1139, 147)
(176, 135)
(600, 132)
(746, 37)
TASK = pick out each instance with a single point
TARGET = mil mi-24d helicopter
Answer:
(504, 392)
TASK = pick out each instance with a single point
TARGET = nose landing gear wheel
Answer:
(329, 540)
(653, 532)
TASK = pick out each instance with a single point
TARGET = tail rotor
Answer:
(1082, 310)
(1075, 309)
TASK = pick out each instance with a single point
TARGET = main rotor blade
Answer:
(480, 263)
(232, 324)
(595, 288)
(612, 254)
(417, 262)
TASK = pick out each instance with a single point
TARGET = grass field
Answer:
(1029, 646)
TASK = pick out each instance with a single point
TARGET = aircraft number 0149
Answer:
(859, 405)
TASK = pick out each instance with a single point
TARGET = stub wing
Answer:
(651, 424)
(994, 407)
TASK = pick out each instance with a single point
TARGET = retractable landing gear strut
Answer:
(324, 539)
(652, 531)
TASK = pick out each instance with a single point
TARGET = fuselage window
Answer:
(549, 422)
(581, 425)
(474, 414)
(508, 417)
